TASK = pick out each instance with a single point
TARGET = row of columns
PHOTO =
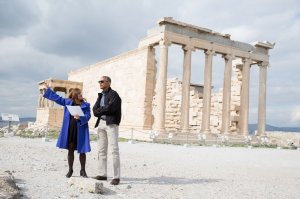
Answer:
(43, 102)
(185, 102)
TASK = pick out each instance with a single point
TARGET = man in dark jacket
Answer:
(108, 111)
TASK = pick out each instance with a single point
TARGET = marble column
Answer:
(40, 101)
(205, 125)
(51, 104)
(244, 108)
(186, 82)
(227, 94)
(261, 124)
(161, 87)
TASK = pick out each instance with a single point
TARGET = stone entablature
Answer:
(177, 32)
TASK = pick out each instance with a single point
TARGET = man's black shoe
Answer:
(115, 181)
(100, 177)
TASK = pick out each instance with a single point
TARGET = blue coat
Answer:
(83, 139)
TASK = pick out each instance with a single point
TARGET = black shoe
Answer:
(69, 174)
(100, 177)
(83, 173)
(115, 181)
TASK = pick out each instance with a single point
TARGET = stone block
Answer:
(87, 185)
(193, 122)
(235, 107)
(177, 98)
(214, 122)
(234, 118)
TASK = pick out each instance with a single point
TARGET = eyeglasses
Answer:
(101, 81)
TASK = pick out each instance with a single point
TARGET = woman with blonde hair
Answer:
(74, 134)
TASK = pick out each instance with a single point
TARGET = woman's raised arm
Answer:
(51, 95)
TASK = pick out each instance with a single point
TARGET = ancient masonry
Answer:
(173, 101)
(150, 101)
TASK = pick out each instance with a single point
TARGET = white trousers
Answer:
(108, 139)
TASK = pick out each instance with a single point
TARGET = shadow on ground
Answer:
(168, 180)
(21, 185)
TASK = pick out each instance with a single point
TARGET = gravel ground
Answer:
(157, 171)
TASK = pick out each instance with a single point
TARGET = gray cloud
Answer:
(16, 16)
(93, 30)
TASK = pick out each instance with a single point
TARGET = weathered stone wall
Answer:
(132, 75)
(49, 117)
(284, 139)
(173, 105)
(236, 86)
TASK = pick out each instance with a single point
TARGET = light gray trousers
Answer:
(108, 141)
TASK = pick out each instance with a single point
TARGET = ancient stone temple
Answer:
(151, 101)
(47, 114)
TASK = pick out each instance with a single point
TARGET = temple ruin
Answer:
(47, 113)
(151, 101)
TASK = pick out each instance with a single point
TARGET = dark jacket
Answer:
(112, 108)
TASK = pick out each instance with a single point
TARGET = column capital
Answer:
(263, 64)
(165, 42)
(188, 47)
(228, 56)
(210, 52)
(247, 60)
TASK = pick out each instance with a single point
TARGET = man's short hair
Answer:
(107, 78)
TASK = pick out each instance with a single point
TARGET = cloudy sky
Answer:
(41, 39)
